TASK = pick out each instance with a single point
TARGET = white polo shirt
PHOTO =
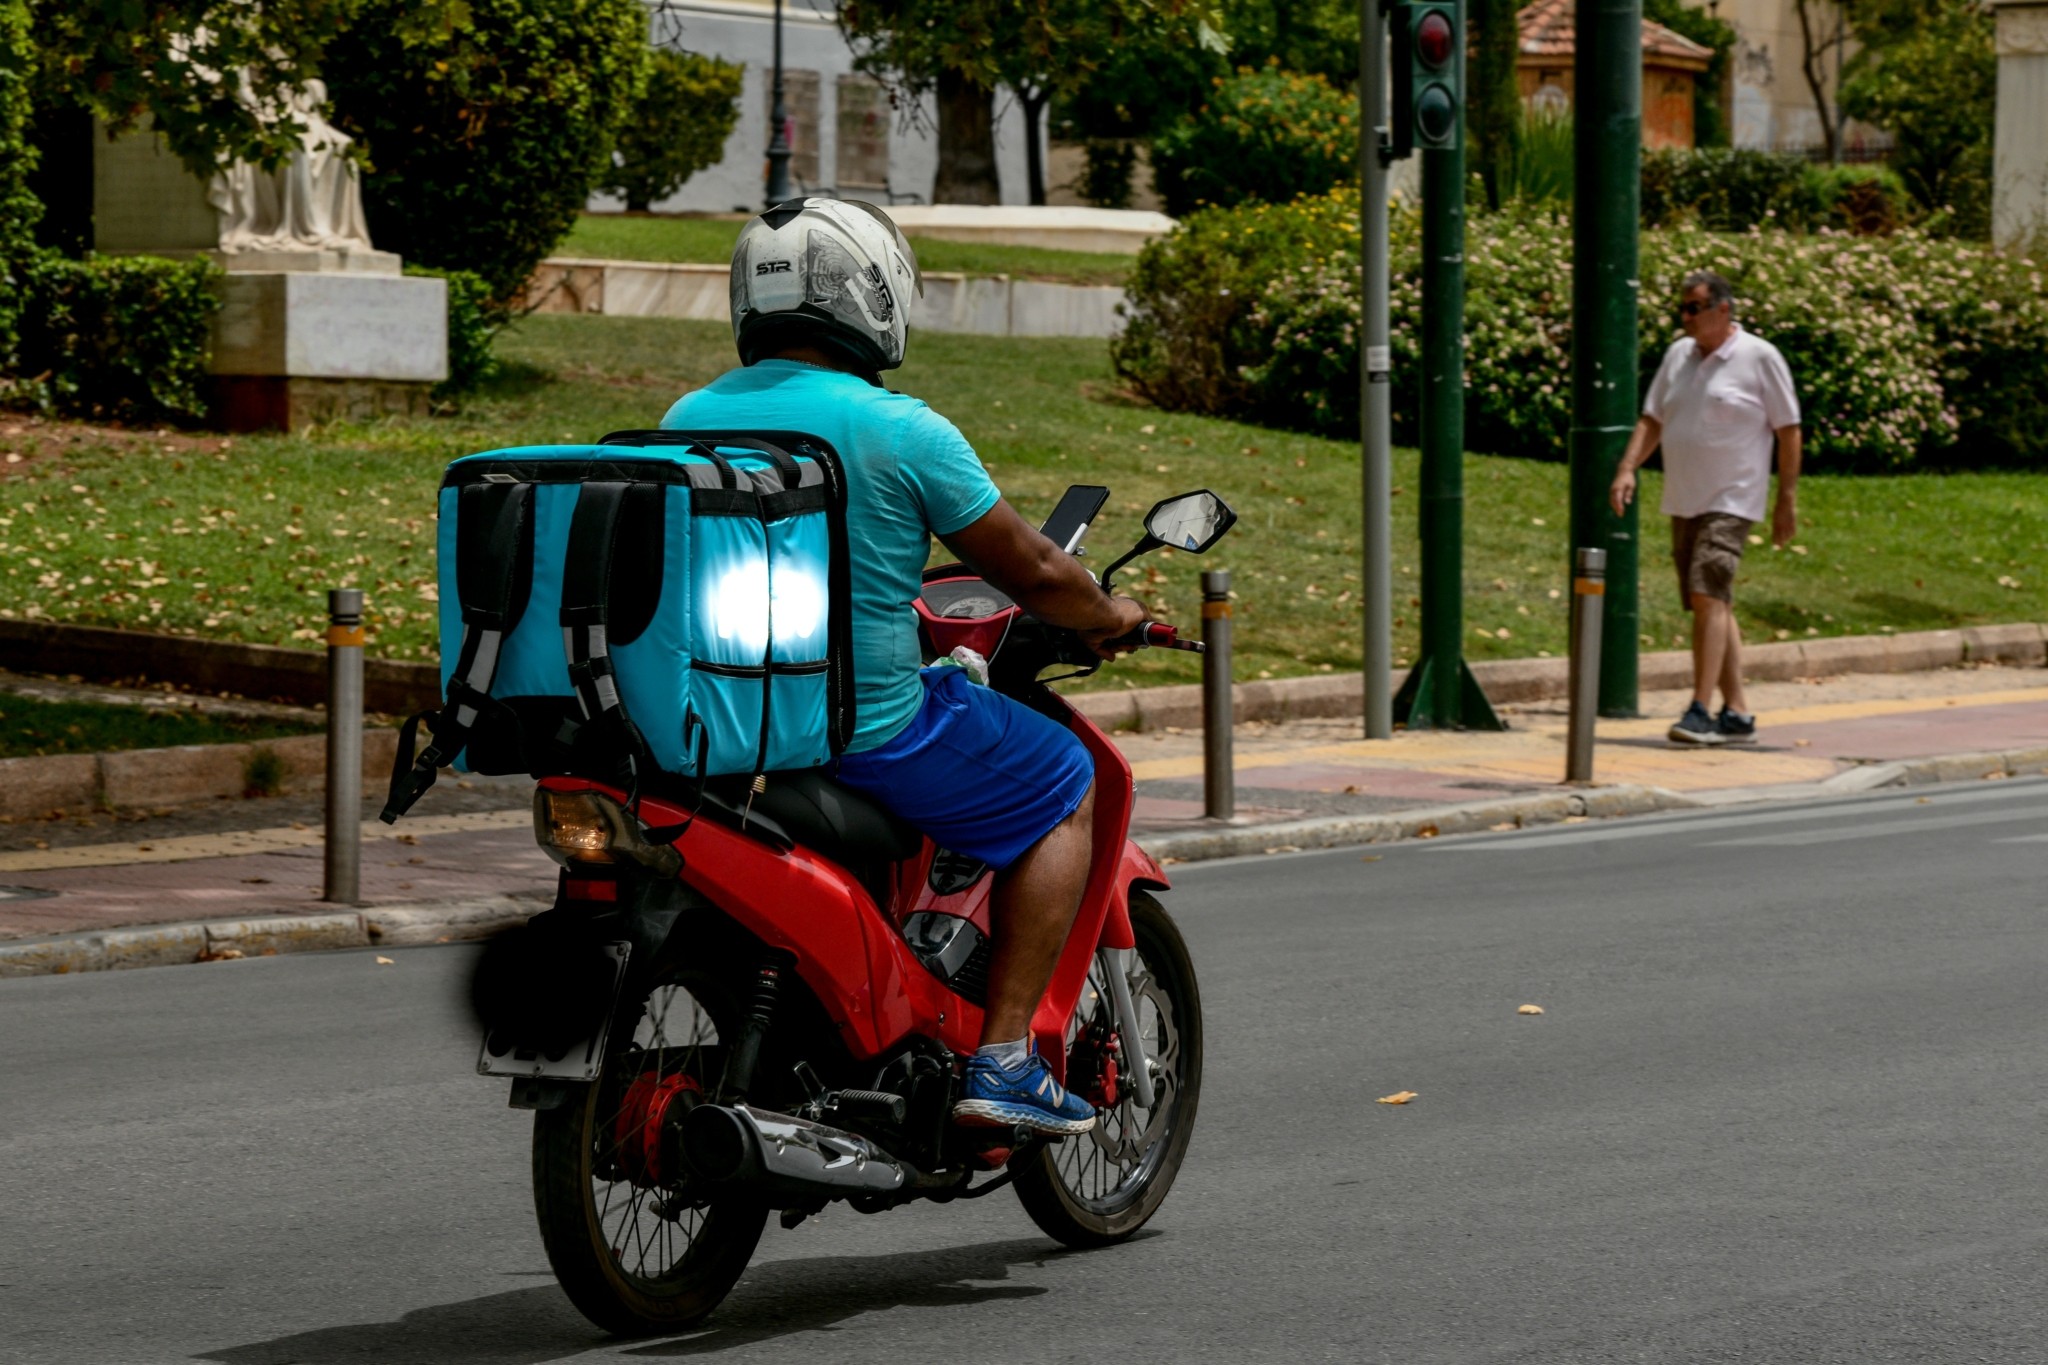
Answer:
(1721, 412)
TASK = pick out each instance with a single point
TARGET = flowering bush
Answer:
(1267, 134)
(1904, 348)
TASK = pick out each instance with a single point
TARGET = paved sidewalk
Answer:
(1808, 732)
(473, 846)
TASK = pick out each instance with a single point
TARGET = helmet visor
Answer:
(902, 243)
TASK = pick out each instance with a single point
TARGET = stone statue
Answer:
(314, 202)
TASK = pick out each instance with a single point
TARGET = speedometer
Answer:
(965, 599)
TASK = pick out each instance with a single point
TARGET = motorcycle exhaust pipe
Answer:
(782, 1154)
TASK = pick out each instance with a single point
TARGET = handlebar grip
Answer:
(1155, 635)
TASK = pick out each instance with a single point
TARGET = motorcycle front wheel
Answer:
(1102, 1186)
(636, 1251)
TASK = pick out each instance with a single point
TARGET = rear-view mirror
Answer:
(1191, 521)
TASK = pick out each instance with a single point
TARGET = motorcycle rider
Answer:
(820, 293)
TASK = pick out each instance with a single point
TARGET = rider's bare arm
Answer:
(1042, 578)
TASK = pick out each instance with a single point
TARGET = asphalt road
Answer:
(1785, 1104)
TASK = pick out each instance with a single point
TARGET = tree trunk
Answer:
(1494, 100)
(1811, 55)
(967, 143)
(1033, 103)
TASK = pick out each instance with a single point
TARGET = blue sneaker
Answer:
(1696, 726)
(1027, 1097)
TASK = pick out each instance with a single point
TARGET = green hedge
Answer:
(473, 323)
(1268, 135)
(115, 338)
(678, 128)
(1726, 190)
(485, 136)
(1905, 348)
(18, 208)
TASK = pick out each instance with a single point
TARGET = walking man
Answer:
(1721, 402)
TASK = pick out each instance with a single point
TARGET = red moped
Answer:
(759, 996)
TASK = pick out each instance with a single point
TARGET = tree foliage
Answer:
(1043, 49)
(1928, 75)
(486, 128)
(677, 129)
(1268, 135)
(213, 76)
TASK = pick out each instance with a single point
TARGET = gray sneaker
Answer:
(1696, 727)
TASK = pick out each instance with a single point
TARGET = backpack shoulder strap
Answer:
(586, 609)
(494, 577)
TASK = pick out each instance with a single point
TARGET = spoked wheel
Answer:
(1102, 1186)
(634, 1247)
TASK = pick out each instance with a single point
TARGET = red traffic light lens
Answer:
(1434, 40)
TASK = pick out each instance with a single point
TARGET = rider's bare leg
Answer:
(1035, 901)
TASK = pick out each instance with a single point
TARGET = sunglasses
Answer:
(1690, 309)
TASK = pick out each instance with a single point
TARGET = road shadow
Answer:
(519, 1327)
(818, 1293)
(777, 1298)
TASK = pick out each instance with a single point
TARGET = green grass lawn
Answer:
(31, 727)
(240, 543)
(611, 237)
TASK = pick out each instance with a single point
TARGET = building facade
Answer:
(845, 138)
(1771, 105)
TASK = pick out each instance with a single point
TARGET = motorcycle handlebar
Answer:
(1155, 635)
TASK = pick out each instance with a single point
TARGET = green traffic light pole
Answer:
(1441, 693)
(1607, 152)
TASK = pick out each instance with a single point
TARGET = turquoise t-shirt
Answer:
(910, 475)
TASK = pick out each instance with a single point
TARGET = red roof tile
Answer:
(1548, 31)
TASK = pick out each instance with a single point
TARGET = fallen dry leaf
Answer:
(224, 955)
(408, 838)
(1802, 743)
(1372, 857)
(387, 961)
(1530, 1009)
(257, 881)
(1427, 832)
(1398, 1097)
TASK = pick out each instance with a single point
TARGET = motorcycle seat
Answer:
(806, 807)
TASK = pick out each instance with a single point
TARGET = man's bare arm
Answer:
(1785, 516)
(1642, 444)
(1042, 578)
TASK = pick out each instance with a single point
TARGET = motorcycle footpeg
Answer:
(870, 1104)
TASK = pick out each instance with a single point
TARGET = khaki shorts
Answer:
(1708, 549)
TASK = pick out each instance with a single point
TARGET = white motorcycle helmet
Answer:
(824, 272)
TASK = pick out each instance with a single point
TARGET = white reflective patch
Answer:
(739, 606)
(742, 602)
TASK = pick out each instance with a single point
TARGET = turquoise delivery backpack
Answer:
(662, 603)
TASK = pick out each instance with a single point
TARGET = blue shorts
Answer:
(978, 773)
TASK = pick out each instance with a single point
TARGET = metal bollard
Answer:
(344, 745)
(1589, 587)
(1219, 711)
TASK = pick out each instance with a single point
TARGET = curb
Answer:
(1526, 680)
(122, 778)
(395, 687)
(1428, 822)
(164, 945)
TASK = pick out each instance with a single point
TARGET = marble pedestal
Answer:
(306, 342)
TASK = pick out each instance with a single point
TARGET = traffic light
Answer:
(1429, 75)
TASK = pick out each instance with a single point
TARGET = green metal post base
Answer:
(1418, 705)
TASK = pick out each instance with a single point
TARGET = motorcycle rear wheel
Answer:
(1100, 1187)
(640, 1258)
